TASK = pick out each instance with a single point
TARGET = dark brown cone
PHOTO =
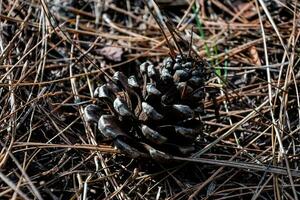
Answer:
(157, 113)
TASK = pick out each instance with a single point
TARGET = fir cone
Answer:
(155, 113)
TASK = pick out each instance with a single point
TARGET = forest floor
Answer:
(54, 54)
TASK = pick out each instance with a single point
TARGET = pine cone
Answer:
(155, 113)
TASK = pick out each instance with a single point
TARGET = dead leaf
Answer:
(112, 53)
(254, 56)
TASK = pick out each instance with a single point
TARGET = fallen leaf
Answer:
(254, 56)
(112, 53)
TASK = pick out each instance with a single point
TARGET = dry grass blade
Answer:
(245, 166)
(13, 186)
